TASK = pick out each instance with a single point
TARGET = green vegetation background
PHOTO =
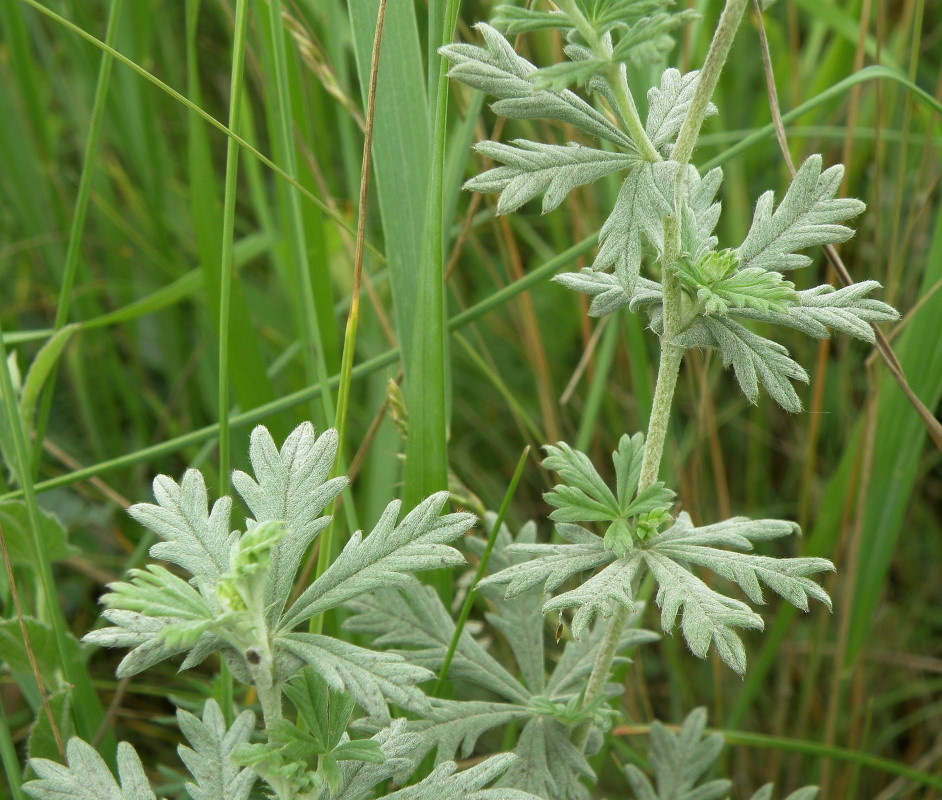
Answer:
(137, 383)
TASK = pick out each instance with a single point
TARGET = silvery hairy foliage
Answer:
(679, 761)
(237, 602)
(640, 537)
(723, 287)
(212, 762)
(486, 694)
(656, 248)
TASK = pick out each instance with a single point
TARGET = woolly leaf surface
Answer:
(209, 756)
(667, 106)
(808, 215)
(531, 169)
(194, 538)
(87, 777)
(499, 71)
(385, 558)
(291, 486)
(369, 677)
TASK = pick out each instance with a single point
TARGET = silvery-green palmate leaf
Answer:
(531, 169)
(291, 486)
(418, 626)
(198, 541)
(160, 615)
(519, 620)
(497, 70)
(87, 777)
(642, 202)
(369, 677)
(549, 764)
(446, 783)
(677, 761)
(453, 727)
(648, 40)
(514, 20)
(358, 778)
(707, 617)
(667, 106)
(208, 758)
(848, 310)
(584, 495)
(754, 359)
(804, 793)
(385, 558)
(808, 215)
(606, 291)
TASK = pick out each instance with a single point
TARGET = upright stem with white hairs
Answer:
(671, 354)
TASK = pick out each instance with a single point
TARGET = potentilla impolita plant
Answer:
(346, 722)
(658, 256)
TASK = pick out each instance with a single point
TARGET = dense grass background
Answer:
(115, 202)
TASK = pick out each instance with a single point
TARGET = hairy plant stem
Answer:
(671, 355)
(709, 76)
(615, 73)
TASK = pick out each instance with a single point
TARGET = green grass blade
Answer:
(899, 441)
(479, 572)
(228, 226)
(401, 146)
(250, 384)
(87, 709)
(193, 107)
(305, 276)
(73, 250)
(287, 401)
